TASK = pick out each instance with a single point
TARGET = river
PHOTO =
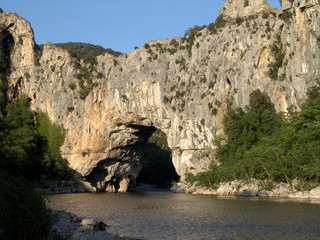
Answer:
(164, 215)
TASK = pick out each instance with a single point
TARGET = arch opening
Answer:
(157, 167)
(142, 156)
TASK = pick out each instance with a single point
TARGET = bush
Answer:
(220, 21)
(174, 43)
(85, 77)
(146, 46)
(278, 53)
(265, 15)
(37, 54)
(72, 86)
(286, 16)
(239, 21)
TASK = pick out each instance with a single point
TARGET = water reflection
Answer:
(182, 216)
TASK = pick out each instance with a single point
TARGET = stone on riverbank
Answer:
(76, 228)
(250, 188)
(183, 187)
(315, 193)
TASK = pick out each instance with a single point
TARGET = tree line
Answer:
(263, 144)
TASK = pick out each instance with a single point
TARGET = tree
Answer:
(263, 144)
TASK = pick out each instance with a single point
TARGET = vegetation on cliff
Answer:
(266, 145)
(30, 146)
(85, 51)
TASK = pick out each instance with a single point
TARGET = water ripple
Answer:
(183, 216)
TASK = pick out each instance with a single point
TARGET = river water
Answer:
(164, 215)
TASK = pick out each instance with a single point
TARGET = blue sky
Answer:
(117, 24)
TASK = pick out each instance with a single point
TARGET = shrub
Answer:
(265, 14)
(85, 83)
(286, 16)
(146, 46)
(203, 79)
(174, 43)
(72, 86)
(220, 21)
(165, 99)
(278, 53)
(239, 21)
(214, 112)
(100, 75)
(37, 54)
(172, 50)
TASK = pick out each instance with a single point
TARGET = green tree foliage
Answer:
(157, 165)
(26, 147)
(86, 52)
(279, 54)
(20, 152)
(54, 166)
(263, 144)
(286, 17)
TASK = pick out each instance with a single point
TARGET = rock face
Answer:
(178, 85)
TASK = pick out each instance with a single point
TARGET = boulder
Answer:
(315, 193)
(249, 193)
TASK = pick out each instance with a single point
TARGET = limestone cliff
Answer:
(179, 85)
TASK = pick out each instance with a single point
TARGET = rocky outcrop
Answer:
(178, 85)
(252, 188)
(70, 226)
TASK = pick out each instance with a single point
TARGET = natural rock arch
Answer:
(179, 89)
(116, 175)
